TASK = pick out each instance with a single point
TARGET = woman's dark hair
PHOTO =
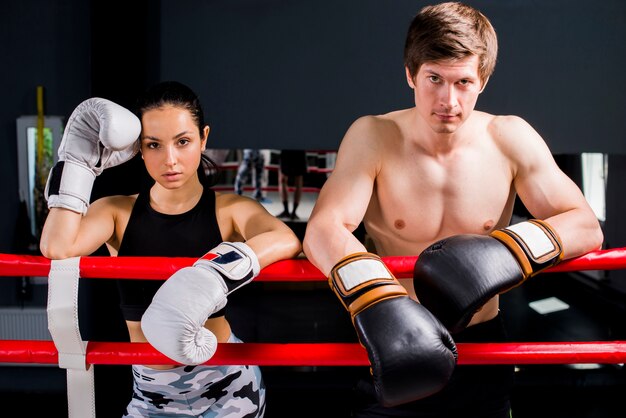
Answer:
(179, 95)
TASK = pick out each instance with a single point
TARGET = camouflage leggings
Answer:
(197, 391)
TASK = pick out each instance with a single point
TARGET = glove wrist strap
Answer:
(69, 186)
(534, 243)
(362, 279)
(234, 261)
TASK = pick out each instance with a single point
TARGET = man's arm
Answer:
(344, 198)
(547, 192)
(456, 276)
(423, 355)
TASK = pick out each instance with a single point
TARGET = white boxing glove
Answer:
(99, 134)
(174, 322)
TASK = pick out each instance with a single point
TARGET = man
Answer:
(442, 172)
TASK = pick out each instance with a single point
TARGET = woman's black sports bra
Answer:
(150, 233)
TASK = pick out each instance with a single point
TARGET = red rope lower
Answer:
(285, 270)
(322, 354)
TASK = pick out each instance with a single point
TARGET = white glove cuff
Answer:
(67, 202)
(534, 243)
(537, 239)
(252, 257)
(233, 260)
(362, 271)
(75, 182)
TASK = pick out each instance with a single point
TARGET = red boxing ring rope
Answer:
(322, 354)
(282, 271)
(296, 354)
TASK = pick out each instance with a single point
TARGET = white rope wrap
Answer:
(63, 326)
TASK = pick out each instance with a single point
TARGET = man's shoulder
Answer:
(394, 116)
(370, 137)
(500, 121)
(511, 133)
(379, 125)
(369, 121)
(372, 133)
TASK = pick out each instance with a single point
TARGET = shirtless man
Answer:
(442, 169)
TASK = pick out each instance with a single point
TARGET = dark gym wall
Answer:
(295, 74)
(75, 49)
(41, 43)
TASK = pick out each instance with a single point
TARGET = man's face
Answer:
(446, 92)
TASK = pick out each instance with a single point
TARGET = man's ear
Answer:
(484, 85)
(409, 78)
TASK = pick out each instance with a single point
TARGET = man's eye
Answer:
(464, 82)
(433, 79)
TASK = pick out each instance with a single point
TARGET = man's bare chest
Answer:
(429, 205)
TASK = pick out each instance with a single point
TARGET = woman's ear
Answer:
(205, 136)
(409, 78)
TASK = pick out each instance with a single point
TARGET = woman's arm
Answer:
(270, 238)
(69, 234)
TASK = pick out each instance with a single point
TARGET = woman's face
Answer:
(171, 145)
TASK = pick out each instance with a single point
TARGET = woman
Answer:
(177, 216)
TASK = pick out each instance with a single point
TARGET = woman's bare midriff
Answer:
(486, 313)
(218, 326)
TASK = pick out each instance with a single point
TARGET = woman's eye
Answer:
(183, 141)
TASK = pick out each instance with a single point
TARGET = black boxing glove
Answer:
(456, 276)
(411, 353)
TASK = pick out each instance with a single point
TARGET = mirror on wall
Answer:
(263, 167)
(286, 182)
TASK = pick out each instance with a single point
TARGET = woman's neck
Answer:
(175, 201)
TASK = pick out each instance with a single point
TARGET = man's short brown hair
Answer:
(450, 31)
